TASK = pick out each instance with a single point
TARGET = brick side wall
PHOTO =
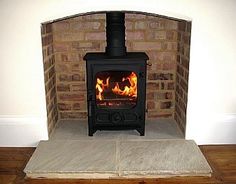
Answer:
(74, 37)
(49, 76)
(182, 73)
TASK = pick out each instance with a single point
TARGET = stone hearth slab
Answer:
(161, 158)
(67, 159)
(117, 159)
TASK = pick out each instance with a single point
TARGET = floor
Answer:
(222, 159)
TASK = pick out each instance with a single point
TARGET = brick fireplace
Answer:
(165, 40)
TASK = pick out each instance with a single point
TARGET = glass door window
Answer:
(116, 89)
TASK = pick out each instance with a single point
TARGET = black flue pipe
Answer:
(115, 34)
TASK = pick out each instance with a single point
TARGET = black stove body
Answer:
(116, 83)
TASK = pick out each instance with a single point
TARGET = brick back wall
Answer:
(182, 73)
(158, 38)
(74, 37)
(49, 76)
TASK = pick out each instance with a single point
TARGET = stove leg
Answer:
(91, 132)
(141, 131)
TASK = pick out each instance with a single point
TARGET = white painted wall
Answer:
(211, 114)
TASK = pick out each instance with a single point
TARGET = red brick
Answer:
(170, 86)
(71, 97)
(48, 28)
(64, 58)
(140, 25)
(171, 24)
(88, 46)
(75, 57)
(169, 95)
(168, 66)
(96, 16)
(134, 35)
(95, 36)
(133, 16)
(155, 114)
(158, 24)
(150, 95)
(78, 87)
(162, 55)
(62, 67)
(163, 85)
(171, 35)
(180, 48)
(179, 36)
(143, 46)
(64, 106)
(152, 86)
(150, 105)
(160, 76)
(61, 26)
(78, 67)
(185, 62)
(46, 65)
(189, 26)
(180, 70)
(170, 46)
(68, 37)
(46, 40)
(50, 50)
(182, 26)
(161, 95)
(73, 115)
(65, 78)
(128, 25)
(184, 85)
(182, 106)
(78, 26)
(60, 47)
(76, 106)
(186, 39)
(52, 92)
(63, 87)
(187, 51)
(186, 73)
(78, 77)
(179, 91)
(43, 29)
(51, 72)
(50, 84)
(165, 105)
(156, 35)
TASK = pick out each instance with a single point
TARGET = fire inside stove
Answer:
(116, 89)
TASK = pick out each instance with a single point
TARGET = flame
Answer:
(100, 86)
(128, 90)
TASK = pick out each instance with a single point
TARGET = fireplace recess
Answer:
(116, 82)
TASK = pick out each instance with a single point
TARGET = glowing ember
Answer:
(129, 90)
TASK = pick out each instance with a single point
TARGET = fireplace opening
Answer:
(165, 40)
(116, 89)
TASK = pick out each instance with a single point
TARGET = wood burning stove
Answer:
(116, 82)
